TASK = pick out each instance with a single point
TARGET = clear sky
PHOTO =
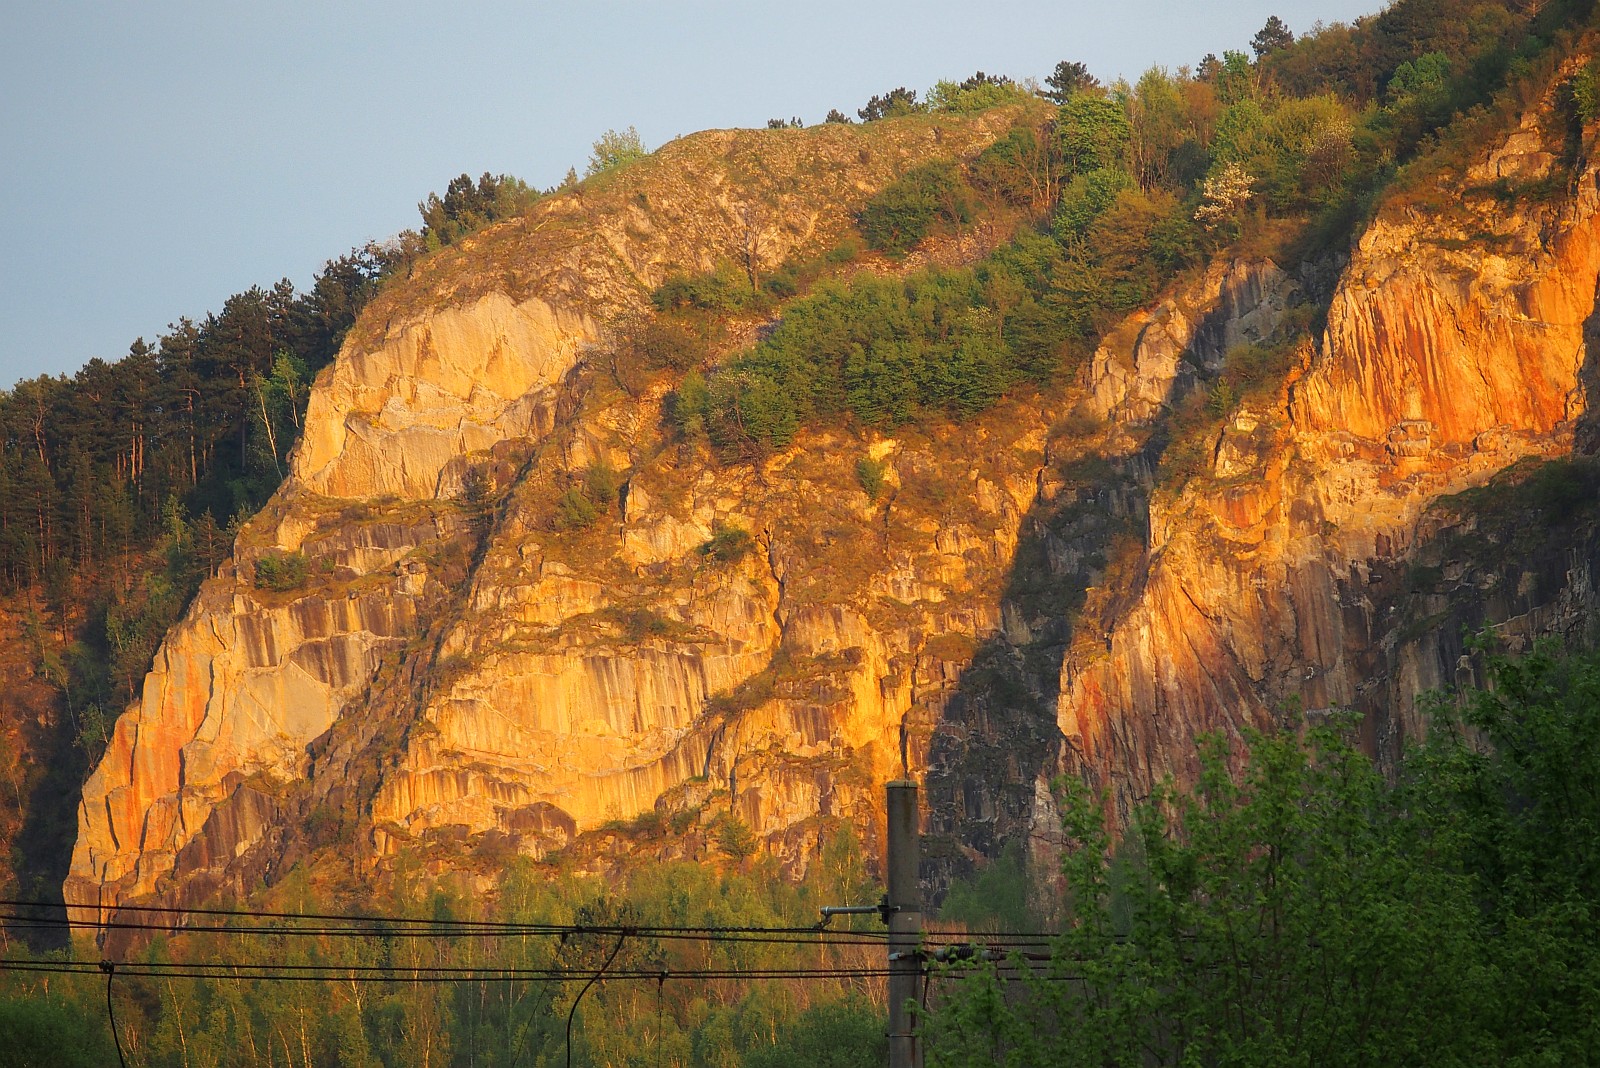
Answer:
(157, 157)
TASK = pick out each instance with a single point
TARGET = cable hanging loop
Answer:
(110, 968)
(621, 938)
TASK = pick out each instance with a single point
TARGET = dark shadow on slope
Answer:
(998, 734)
(42, 851)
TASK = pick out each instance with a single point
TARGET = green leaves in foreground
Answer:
(1296, 909)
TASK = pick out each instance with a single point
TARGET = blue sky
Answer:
(160, 156)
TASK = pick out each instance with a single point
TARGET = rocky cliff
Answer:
(455, 665)
(1046, 587)
(1455, 345)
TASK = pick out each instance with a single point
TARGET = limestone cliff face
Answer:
(456, 665)
(1043, 588)
(1454, 346)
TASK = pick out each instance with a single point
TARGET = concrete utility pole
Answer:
(903, 911)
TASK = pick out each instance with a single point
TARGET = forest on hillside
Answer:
(1450, 914)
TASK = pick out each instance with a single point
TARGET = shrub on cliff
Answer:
(574, 510)
(908, 209)
(281, 572)
(976, 93)
(728, 544)
(869, 473)
(614, 149)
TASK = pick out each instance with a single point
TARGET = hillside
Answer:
(460, 667)
(651, 527)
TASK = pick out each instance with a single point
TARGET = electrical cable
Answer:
(697, 934)
(111, 1010)
(621, 938)
(440, 974)
(427, 923)
(661, 985)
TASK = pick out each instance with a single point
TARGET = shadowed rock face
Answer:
(461, 676)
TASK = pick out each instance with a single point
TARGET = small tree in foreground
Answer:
(1296, 908)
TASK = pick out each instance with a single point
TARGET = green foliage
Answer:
(749, 413)
(1585, 89)
(1506, 787)
(1069, 77)
(869, 473)
(1271, 916)
(1018, 168)
(1424, 79)
(1271, 37)
(882, 349)
(466, 208)
(723, 290)
(281, 572)
(691, 405)
(1092, 133)
(614, 149)
(44, 1030)
(1296, 908)
(995, 898)
(977, 93)
(592, 496)
(890, 105)
(888, 351)
(1563, 488)
(734, 838)
(602, 484)
(841, 1034)
(1235, 78)
(1086, 197)
(905, 212)
(728, 544)
(574, 510)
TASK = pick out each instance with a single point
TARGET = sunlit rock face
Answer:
(463, 676)
(1455, 345)
(453, 663)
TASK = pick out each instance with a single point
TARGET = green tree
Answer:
(1280, 913)
(614, 149)
(1069, 77)
(905, 212)
(894, 103)
(974, 94)
(1086, 197)
(467, 207)
(36, 1031)
(1508, 785)
(1092, 133)
(841, 1034)
(1271, 37)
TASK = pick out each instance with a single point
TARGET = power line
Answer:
(573, 1011)
(421, 974)
(840, 938)
(407, 921)
(416, 926)
(111, 1010)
